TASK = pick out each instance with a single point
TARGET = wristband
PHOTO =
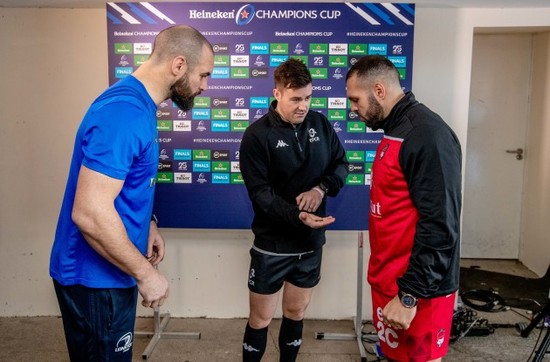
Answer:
(324, 188)
(318, 189)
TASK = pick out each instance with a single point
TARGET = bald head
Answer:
(177, 41)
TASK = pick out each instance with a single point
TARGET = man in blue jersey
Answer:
(107, 244)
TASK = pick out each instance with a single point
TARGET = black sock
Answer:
(254, 343)
(290, 339)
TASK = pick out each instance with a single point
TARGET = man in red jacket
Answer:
(414, 222)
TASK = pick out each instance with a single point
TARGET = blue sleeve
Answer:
(113, 136)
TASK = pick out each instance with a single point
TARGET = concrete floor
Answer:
(41, 338)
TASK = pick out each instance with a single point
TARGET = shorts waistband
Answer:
(280, 254)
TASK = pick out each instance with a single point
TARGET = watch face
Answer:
(408, 300)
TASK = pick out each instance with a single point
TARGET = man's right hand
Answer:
(153, 288)
(314, 221)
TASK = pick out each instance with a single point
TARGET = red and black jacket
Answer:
(414, 222)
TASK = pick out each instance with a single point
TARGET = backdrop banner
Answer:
(199, 184)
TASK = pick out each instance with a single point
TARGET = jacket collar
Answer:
(276, 117)
(398, 111)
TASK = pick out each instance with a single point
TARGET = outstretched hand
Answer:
(314, 221)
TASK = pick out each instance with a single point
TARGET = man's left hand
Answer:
(397, 316)
(309, 201)
(155, 245)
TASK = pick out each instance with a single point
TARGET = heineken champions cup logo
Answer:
(245, 14)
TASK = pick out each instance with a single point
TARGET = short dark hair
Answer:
(372, 67)
(292, 74)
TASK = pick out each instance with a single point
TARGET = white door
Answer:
(499, 104)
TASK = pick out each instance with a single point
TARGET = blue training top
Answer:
(118, 138)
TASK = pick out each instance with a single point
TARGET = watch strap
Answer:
(324, 188)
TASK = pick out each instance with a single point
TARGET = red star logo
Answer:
(244, 14)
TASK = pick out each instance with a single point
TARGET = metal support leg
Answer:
(543, 348)
(159, 333)
(358, 321)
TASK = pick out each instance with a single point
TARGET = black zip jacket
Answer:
(278, 162)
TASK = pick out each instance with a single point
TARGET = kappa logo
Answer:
(295, 343)
(124, 344)
(250, 348)
(281, 143)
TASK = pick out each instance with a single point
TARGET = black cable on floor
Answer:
(467, 323)
(483, 300)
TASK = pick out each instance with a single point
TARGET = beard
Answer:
(374, 116)
(182, 95)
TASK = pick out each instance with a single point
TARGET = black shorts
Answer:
(98, 323)
(268, 272)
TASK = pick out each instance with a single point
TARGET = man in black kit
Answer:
(291, 159)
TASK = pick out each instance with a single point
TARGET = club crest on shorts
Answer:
(440, 337)
(124, 343)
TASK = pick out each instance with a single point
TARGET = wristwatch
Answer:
(154, 218)
(407, 300)
(323, 187)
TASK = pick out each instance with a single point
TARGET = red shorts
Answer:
(428, 336)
